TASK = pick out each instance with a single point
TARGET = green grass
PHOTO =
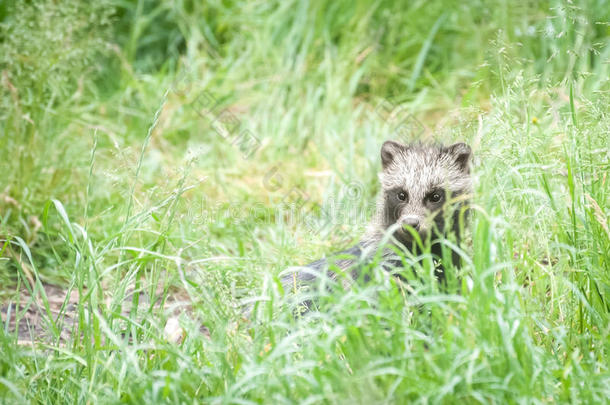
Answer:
(115, 179)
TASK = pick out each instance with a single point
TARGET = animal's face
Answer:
(418, 182)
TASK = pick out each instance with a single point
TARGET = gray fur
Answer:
(420, 173)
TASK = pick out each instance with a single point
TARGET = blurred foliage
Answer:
(113, 178)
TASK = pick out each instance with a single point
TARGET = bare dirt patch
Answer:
(55, 320)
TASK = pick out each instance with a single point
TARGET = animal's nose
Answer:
(412, 222)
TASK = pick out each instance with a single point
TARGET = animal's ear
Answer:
(461, 154)
(389, 150)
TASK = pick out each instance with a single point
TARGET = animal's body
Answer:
(423, 188)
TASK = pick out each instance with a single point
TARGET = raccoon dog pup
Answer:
(423, 188)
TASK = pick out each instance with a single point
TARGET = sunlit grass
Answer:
(119, 188)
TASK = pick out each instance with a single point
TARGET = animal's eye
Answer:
(435, 197)
(402, 196)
